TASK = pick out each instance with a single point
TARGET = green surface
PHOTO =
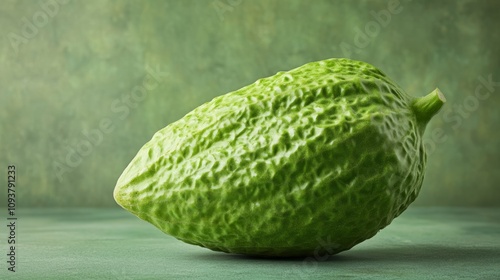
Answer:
(73, 76)
(424, 243)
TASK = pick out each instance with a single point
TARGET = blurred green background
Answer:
(84, 84)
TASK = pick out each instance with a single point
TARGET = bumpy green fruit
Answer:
(310, 161)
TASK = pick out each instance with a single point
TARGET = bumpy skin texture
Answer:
(310, 161)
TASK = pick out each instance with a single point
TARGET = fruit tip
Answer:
(427, 106)
(440, 95)
(117, 195)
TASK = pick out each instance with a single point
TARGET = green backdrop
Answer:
(84, 84)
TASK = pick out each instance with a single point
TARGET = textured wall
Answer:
(86, 83)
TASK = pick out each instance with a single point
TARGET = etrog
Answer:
(310, 161)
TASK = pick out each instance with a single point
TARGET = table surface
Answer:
(110, 243)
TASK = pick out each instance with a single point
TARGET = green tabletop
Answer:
(423, 243)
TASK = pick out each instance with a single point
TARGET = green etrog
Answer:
(310, 161)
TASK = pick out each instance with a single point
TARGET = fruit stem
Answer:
(426, 107)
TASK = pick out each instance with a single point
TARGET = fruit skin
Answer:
(306, 162)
